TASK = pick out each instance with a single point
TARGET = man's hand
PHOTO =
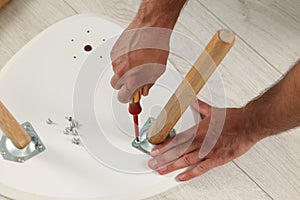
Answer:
(231, 134)
(184, 149)
(139, 58)
(140, 55)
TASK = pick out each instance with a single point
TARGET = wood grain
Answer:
(186, 92)
(21, 20)
(270, 27)
(12, 129)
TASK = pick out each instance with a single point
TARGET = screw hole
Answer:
(88, 48)
(72, 40)
(103, 39)
(88, 31)
(101, 57)
(74, 57)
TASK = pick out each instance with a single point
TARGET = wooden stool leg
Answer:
(3, 3)
(12, 129)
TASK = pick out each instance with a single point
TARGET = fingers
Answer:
(186, 160)
(146, 89)
(201, 107)
(186, 136)
(198, 170)
(124, 94)
(143, 76)
(172, 155)
(183, 143)
(120, 67)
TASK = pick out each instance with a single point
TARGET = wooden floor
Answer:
(268, 44)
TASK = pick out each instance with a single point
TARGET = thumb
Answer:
(201, 107)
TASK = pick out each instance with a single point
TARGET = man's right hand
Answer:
(139, 58)
(140, 55)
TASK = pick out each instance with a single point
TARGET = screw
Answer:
(3, 153)
(27, 126)
(69, 119)
(74, 124)
(41, 148)
(75, 140)
(137, 140)
(67, 131)
(21, 160)
(74, 132)
(49, 121)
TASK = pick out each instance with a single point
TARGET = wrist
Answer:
(153, 14)
(255, 122)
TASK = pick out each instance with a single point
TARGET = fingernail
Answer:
(154, 153)
(181, 177)
(152, 163)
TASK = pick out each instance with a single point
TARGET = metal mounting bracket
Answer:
(143, 144)
(12, 153)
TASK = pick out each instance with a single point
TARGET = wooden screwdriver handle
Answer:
(3, 3)
(12, 129)
(195, 79)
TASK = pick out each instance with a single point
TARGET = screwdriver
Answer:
(135, 109)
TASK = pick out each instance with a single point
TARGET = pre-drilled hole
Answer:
(101, 57)
(88, 31)
(74, 57)
(72, 40)
(88, 48)
(103, 39)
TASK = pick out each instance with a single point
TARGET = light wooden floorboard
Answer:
(273, 165)
(120, 11)
(270, 27)
(21, 20)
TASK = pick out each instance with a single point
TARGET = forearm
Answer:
(159, 13)
(278, 109)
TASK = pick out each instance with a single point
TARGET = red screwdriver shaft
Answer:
(135, 109)
(136, 127)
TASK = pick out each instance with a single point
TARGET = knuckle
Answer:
(187, 160)
(114, 64)
(201, 168)
(171, 167)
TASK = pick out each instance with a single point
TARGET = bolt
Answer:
(74, 132)
(3, 153)
(69, 119)
(67, 131)
(41, 148)
(137, 140)
(49, 121)
(27, 126)
(74, 124)
(75, 140)
(21, 160)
